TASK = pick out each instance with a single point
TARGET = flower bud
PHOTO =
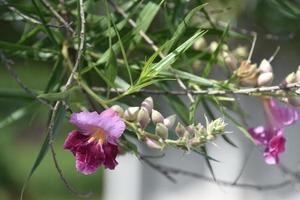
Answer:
(213, 46)
(118, 109)
(241, 51)
(199, 44)
(131, 113)
(153, 144)
(162, 131)
(291, 78)
(180, 130)
(230, 60)
(148, 104)
(143, 117)
(265, 66)
(170, 121)
(157, 117)
(298, 74)
(265, 79)
(247, 73)
(216, 127)
(191, 129)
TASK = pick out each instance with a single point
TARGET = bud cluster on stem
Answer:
(191, 136)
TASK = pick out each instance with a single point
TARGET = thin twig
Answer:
(243, 91)
(167, 171)
(7, 63)
(57, 15)
(66, 86)
(26, 17)
(152, 44)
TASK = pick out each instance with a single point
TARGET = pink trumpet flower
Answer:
(271, 136)
(94, 143)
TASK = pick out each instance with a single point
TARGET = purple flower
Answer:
(271, 136)
(94, 143)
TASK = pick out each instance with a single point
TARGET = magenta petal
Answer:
(112, 124)
(111, 152)
(274, 148)
(89, 158)
(259, 135)
(87, 122)
(74, 140)
(284, 115)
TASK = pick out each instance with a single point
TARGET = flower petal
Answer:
(111, 152)
(74, 140)
(87, 122)
(111, 124)
(89, 158)
(260, 135)
(284, 115)
(275, 147)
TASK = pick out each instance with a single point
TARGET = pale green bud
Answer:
(170, 121)
(131, 113)
(157, 117)
(180, 130)
(216, 127)
(199, 44)
(162, 131)
(153, 144)
(298, 74)
(291, 78)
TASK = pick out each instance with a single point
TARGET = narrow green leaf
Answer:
(45, 146)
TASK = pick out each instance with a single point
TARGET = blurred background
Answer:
(132, 179)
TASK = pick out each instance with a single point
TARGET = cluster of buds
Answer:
(145, 114)
(191, 136)
(251, 75)
(230, 57)
(194, 136)
(293, 77)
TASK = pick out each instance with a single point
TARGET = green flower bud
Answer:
(216, 127)
(291, 78)
(143, 117)
(180, 130)
(199, 44)
(170, 121)
(157, 117)
(131, 113)
(162, 131)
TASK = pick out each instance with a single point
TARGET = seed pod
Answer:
(180, 130)
(157, 117)
(162, 131)
(143, 117)
(131, 113)
(265, 79)
(170, 121)
(118, 109)
(265, 66)
(148, 104)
